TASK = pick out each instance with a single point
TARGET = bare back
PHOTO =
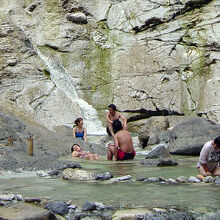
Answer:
(123, 141)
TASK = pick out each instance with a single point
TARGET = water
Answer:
(62, 79)
(127, 194)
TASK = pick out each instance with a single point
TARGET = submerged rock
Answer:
(193, 179)
(158, 162)
(182, 179)
(103, 176)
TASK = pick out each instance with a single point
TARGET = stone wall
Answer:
(60, 58)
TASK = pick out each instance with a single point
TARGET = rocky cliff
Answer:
(61, 59)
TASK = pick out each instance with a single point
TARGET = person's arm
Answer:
(109, 121)
(116, 145)
(205, 167)
(124, 121)
(74, 133)
(85, 134)
(75, 154)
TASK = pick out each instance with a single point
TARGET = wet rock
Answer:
(193, 179)
(210, 216)
(18, 197)
(140, 179)
(180, 216)
(182, 179)
(99, 206)
(158, 162)
(42, 173)
(158, 152)
(152, 179)
(89, 206)
(208, 179)
(53, 172)
(128, 213)
(77, 174)
(159, 210)
(32, 200)
(106, 215)
(78, 215)
(217, 180)
(3, 203)
(121, 178)
(103, 176)
(72, 165)
(7, 197)
(172, 181)
(60, 208)
(26, 211)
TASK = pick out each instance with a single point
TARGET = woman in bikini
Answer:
(79, 131)
(77, 152)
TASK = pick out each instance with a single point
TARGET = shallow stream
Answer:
(199, 197)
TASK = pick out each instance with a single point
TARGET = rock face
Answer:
(61, 59)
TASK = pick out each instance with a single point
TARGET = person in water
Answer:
(77, 152)
(79, 131)
(122, 149)
(209, 159)
(111, 116)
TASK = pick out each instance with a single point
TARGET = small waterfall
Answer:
(62, 79)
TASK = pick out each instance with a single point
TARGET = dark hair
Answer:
(217, 141)
(117, 126)
(73, 146)
(78, 120)
(112, 106)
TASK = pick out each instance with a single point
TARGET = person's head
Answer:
(117, 126)
(112, 108)
(79, 121)
(217, 142)
(75, 147)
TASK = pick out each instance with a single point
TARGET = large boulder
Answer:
(159, 151)
(188, 137)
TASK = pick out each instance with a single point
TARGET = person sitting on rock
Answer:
(122, 149)
(209, 159)
(79, 131)
(77, 152)
(112, 115)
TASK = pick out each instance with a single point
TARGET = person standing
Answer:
(122, 149)
(79, 131)
(209, 159)
(113, 115)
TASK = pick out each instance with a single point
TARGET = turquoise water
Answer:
(127, 194)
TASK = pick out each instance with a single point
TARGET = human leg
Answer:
(110, 152)
(217, 171)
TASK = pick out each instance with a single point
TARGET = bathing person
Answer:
(122, 149)
(77, 152)
(79, 131)
(112, 115)
(209, 159)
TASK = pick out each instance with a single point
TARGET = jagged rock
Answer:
(158, 162)
(77, 174)
(158, 152)
(60, 208)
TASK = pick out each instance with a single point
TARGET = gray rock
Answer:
(77, 174)
(209, 216)
(200, 130)
(117, 179)
(60, 208)
(182, 179)
(32, 200)
(158, 162)
(88, 206)
(152, 179)
(208, 179)
(217, 180)
(7, 197)
(158, 152)
(103, 176)
(193, 179)
(78, 18)
(172, 181)
(180, 215)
